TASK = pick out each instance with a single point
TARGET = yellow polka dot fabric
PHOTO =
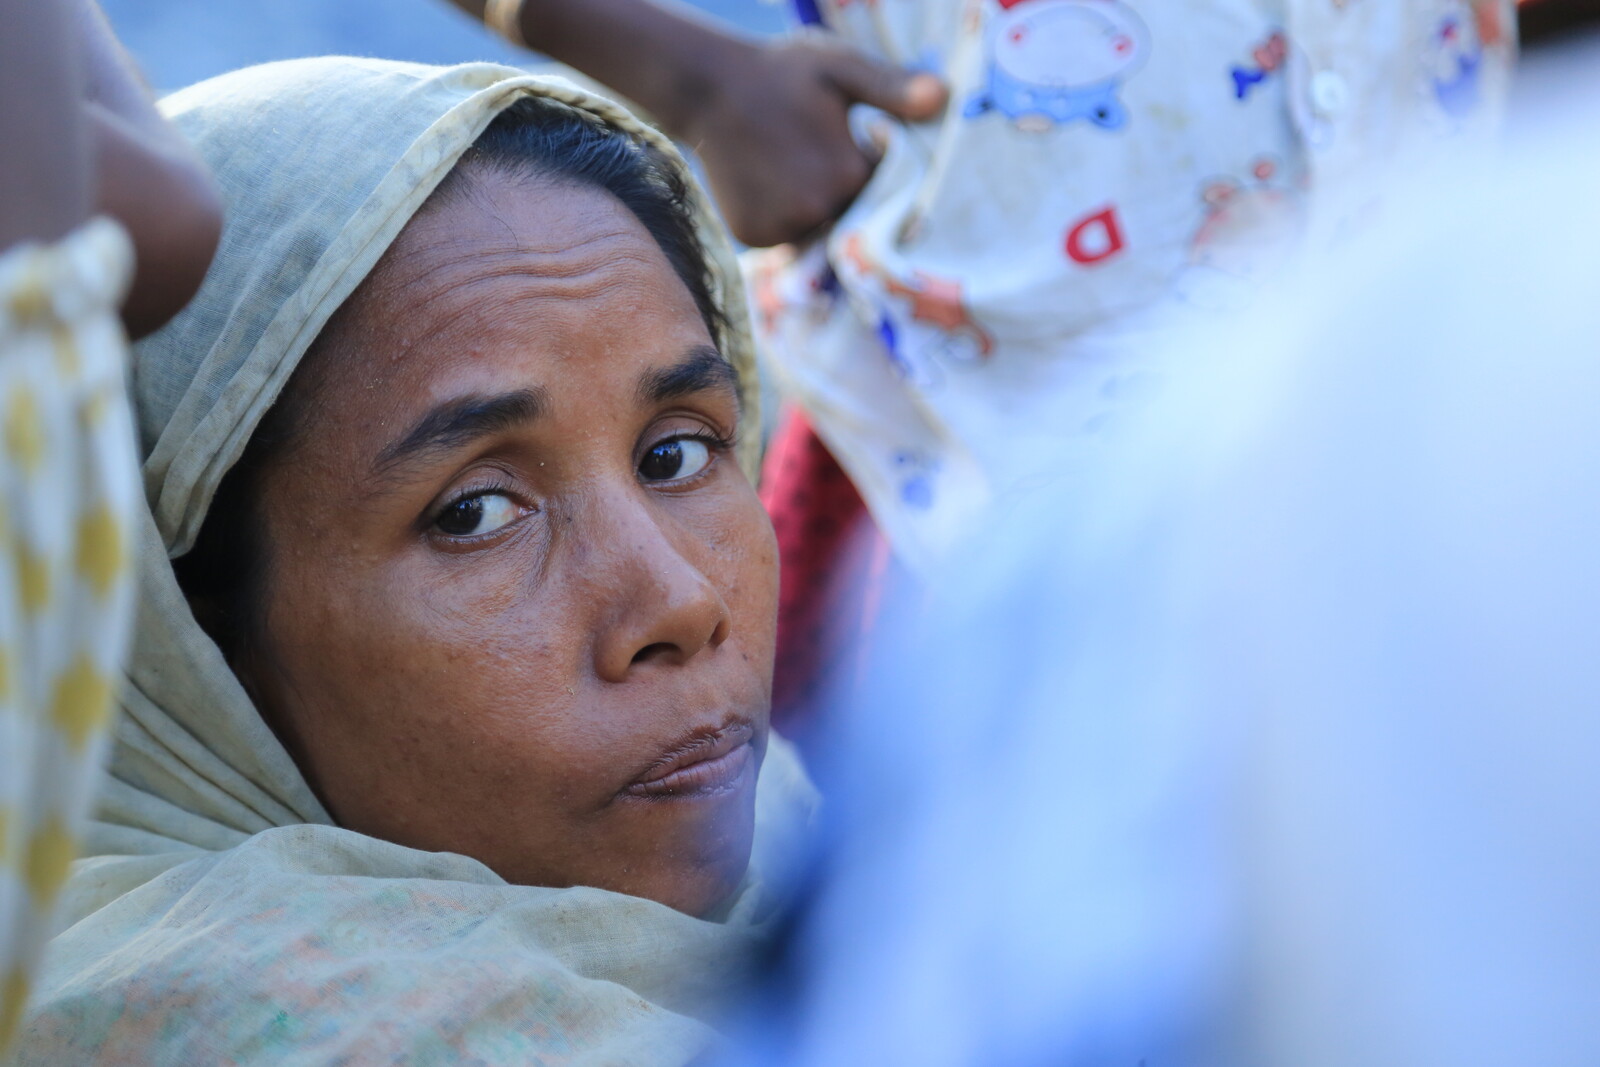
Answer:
(69, 485)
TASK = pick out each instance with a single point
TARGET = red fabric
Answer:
(819, 519)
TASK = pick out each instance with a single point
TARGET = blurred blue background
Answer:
(182, 41)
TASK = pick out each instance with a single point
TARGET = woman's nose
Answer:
(666, 610)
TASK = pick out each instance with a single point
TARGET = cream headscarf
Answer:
(221, 917)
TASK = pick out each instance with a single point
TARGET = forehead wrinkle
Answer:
(476, 266)
(455, 253)
(574, 285)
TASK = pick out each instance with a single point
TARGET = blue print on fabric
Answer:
(917, 472)
(1018, 99)
(1245, 80)
(1457, 62)
(1458, 96)
(807, 12)
(1058, 62)
(891, 346)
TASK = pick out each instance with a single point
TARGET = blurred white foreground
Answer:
(1279, 744)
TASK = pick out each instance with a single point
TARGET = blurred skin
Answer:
(1542, 22)
(147, 177)
(479, 647)
(768, 119)
(81, 136)
(44, 141)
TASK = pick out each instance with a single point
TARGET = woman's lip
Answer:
(708, 761)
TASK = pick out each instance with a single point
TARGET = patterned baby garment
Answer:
(976, 319)
(69, 484)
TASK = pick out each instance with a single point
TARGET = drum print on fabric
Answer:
(1055, 62)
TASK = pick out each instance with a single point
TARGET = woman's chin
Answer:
(702, 884)
(703, 894)
(689, 851)
(699, 868)
(691, 840)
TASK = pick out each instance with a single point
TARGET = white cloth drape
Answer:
(69, 491)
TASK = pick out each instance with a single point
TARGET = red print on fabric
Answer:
(938, 301)
(1096, 238)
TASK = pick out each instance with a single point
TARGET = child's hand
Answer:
(770, 121)
(44, 151)
(146, 177)
(776, 139)
(149, 180)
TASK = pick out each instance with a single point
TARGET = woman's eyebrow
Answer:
(702, 369)
(457, 422)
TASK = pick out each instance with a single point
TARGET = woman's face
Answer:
(520, 598)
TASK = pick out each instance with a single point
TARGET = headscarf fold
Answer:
(220, 916)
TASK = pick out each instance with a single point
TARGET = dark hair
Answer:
(224, 574)
(536, 138)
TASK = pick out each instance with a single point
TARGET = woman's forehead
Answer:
(561, 295)
(534, 260)
(557, 236)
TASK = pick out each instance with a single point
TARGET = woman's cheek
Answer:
(751, 581)
(759, 543)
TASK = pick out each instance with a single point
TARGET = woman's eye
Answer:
(681, 457)
(474, 515)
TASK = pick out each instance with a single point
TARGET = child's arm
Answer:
(1540, 21)
(768, 120)
(146, 177)
(44, 144)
